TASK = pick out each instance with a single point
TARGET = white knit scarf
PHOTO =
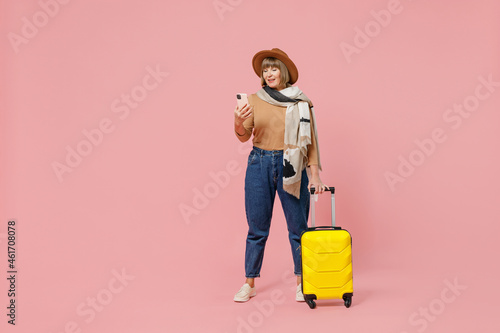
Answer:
(298, 122)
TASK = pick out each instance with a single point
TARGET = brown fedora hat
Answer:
(278, 54)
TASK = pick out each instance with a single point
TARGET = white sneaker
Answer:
(299, 297)
(245, 293)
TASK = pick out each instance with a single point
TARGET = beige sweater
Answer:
(268, 126)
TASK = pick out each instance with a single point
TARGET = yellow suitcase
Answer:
(326, 260)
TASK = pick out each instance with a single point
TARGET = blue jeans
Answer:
(263, 178)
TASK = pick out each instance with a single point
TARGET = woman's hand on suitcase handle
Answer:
(315, 181)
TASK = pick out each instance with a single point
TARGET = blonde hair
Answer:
(273, 62)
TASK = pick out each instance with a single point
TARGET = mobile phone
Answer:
(242, 99)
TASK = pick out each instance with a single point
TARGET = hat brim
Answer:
(259, 56)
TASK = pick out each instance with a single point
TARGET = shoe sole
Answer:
(242, 300)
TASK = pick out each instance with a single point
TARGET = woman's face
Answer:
(272, 76)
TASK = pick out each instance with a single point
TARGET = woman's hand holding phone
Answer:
(241, 100)
(243, 110)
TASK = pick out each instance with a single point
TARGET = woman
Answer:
(281, 119)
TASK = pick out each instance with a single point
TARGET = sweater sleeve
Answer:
(312, 151)
(248, 124)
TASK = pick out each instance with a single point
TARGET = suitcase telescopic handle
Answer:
(313, 210)
(331, 189)
(327, 227)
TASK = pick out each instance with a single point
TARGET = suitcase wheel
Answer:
(347, 301)
(311, 303)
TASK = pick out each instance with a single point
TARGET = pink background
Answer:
(119, 210)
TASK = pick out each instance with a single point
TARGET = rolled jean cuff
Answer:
(252, 277)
